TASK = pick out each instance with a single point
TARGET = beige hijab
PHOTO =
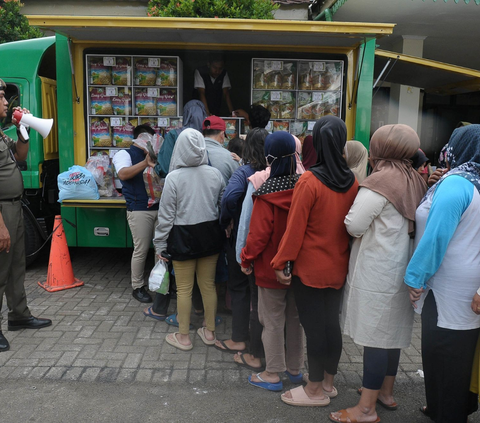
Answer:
(357, 158)
(393, 176)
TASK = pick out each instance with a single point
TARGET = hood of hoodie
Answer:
(189, 150)
(278, 191)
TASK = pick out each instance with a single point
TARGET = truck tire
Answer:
(33, 238)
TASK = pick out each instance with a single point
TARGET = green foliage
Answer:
(240, 9)
(13, 25)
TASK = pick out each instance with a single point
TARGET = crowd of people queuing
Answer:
(322, 239)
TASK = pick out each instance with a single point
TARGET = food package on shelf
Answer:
(176, 123)
(261, 98)
(281, 125)
(122, 102)
(167, 103)
(123, 135)
(100, 132)
(100, 103)
(99, 73)
(144, 74)
(289, 76)
(331, 102)
(100, 165)
(231, 129)
(153, 123)
(313, 111)
(259, 78)
(145, 105)
(167, 73)
(121, 71)
(305, 79)
(274, 80)
(300, 130)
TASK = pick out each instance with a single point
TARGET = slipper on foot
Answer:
(172, 320)
(269, 386)
(149, 313)
(301, 399)
(172, 340)
(201, 334)
(390, 407)
(225, 348)
(346, 417)
(295, 378)
(246, 365)
(332, 394)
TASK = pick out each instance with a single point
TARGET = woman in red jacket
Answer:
(276, 305)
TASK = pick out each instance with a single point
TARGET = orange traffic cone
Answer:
(60, 272)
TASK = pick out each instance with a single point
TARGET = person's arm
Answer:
(167, 212)
(21, 146)
(244, 222)
(366, 207)
(226, 94)
(450, 201)
(203, 99)
(4, 236)
(165, 154)
(126, 173)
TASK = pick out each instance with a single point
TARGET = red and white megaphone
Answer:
(42, 126)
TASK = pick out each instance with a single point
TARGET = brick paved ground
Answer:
(100, 334)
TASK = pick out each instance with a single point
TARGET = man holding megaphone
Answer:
(12, 242)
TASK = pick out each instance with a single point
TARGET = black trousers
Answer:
(447, 357)
(378, 363)
(256, 328)
(318, 310)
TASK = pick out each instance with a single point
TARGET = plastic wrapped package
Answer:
(100, 102)
(145, 105)
(99, 73)
(167, 73)
(100, 166)
(123, 135)
(167, 103)
(122, 102)
(100, 132)
(144, 74)
(121, 71)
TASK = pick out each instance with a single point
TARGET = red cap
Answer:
(214, 122)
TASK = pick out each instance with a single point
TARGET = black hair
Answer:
(253, 149)
(235, 145)
(259, 116)
(140, 129)
(210, 132)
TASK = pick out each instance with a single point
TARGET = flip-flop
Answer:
(346, 417)
(246, 365)
(301, 399)
(294, 378)
(390, 407)
(201, 334)
(225, 348)
(172, 320)
(149, 313)
(278, 386)
(174, 342)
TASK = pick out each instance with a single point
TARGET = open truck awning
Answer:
(200, 31)
(432, 76)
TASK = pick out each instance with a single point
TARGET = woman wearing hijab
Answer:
(357, 159)
(315, 243)
(189, 231)
(282, 334)
(376, 310)
(443, 279)
(309, 155)
(194, 114)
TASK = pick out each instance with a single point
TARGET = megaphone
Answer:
(42, 126)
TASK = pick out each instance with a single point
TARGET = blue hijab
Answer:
(280, 154)
(194, 114)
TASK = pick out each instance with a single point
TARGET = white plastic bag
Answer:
(159, 279)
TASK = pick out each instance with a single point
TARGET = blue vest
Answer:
(134, 188)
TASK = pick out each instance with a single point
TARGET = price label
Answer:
(153, 62)
(269, 126)
(152, 92)
(163, 122)
(317, 97)
(311, 124)
(109, 61)
(319, 66)
(116, 122)
(275, 95)
(111, 91)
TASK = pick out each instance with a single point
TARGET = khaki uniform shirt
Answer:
(11, 181)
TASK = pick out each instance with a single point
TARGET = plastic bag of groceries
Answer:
(100, 165)
(159, 279)
(77, 183)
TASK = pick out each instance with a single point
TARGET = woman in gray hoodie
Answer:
(189, 232)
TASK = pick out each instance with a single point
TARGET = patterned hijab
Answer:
(463, 156)
(393, 176)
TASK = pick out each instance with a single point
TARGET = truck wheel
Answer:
(33, 239)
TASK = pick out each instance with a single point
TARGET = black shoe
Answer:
(30, 323)
(4, 345)
(141, 294)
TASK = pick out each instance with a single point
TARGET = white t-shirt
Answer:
(199, 83)
(121, 159)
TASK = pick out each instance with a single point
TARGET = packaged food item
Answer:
(99, 73)
(121, 71)
(274, 80)
(167, 103)
(299, 129)
(305, 112)
(123, 135)
(332, 103)
(231, 128)
(304, 98)
(145, 105)
(144, 74)
(122, 103)
(288, 76)
(287, 111)
(279, 125)
(304, 76)
(275, 110)
(167, 73)
(100, 132)
(318, 110)
(100, 165)
(100, 103)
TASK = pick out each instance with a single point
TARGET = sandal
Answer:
(201, 334)
(269, 386)
(172, 340)
(172, 320)
(332, 394)
(149, 313)
(346, 417)
(390, 407)
(246, 365)
(294, 378)
(224, 347)
(301, 399)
